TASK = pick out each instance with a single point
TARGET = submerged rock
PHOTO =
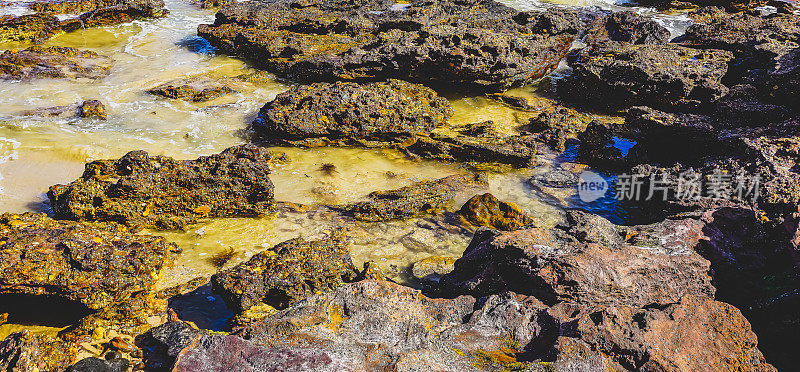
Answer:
(139, 190)
(53, 62)
(420, 198)
(486, 210)
(517, 150)
(352, 113)
(92, 109)
(478, 44)
(103, 267)
(204, 88)
(286, 273)
(432, 268)
(614, 76)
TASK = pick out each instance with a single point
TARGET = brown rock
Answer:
(486, 210)
(53, 62)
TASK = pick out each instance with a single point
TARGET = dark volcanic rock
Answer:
(20, 352)
(597, 147)
(474, 44)
(139, 190)
(486, 210)
(197, 89)
(514, 150)
(53, 62)
(555, 124)
(286, 273)
(123, 11)
(103, 267)
(614, 76)
(93, 364)
(161, 345)
(410, 201)
(629, 27)
(350, 112)
(732, 5)
(35, 28)
(591, 262)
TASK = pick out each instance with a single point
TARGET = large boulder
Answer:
(25, 351)
(28, 28)
(100, 267)
(476, 44)
(139, 190)
(614, 76)
(377, 325)
(629, 27)
(286, 273)
(424, 197)
(53, 62)
(592, 262)
(352, 113)
(486, 210)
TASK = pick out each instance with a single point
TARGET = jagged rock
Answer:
(87, 109)
(519, 103)
(53, 62)
(124, 11)
(732, 5)
(203, 88)
(102, 267)
(139, 190)
(286, 273)
(410, 201)
(34, 28)
(207, 4)
(629, 27)
(20, 352)
(555, 124)
(478, 44)
(597, 147)
(350, 112)
(161, 345)
(591, 262)
(614, 76)
(486, 210)
(557, 178)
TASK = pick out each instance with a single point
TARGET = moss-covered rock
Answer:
(53, 62)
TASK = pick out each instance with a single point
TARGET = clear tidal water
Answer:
(38, 152)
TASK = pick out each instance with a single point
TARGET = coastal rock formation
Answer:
(352, 113)
(204, 88)
(53, 62)
(614, 76)
(36, 28)
(486, 210)
(139, 190)
(629, 27)
(27, 352)
(377, 325)
(477, 44)
(518, 150)
(286, 273)
(424, 197)
(41, 26)
(101, 267)
(591, 261)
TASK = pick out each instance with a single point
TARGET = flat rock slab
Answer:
(139, 190)
(53, 62)
(477, 44)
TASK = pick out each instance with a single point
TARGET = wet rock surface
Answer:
(139, 190)
(53, 62)
(35, 28)
(286, 273)
(27, 352)
(90, 109)
(475, 44)
(629, 27)
(425, 197)
(486, 210)
(205, 88)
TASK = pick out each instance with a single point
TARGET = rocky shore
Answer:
(698, 283)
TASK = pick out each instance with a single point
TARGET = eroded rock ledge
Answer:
(475, 44)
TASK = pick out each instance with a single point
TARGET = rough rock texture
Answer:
(202, 88)
(486, 210)
(34, 28)
(731, 5)
(351, 112)
(420, 198)
(484, 147)
(476, 44)
(93, 364)
(377, 325)
(286, 273)
(591, 261)
(102, 267)
(555, 124)
(629, 27)
(139, 190)
(41, 26)
(20, 352)
(92, 109)
(614, 76)
(432, 268)
(53, 62)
